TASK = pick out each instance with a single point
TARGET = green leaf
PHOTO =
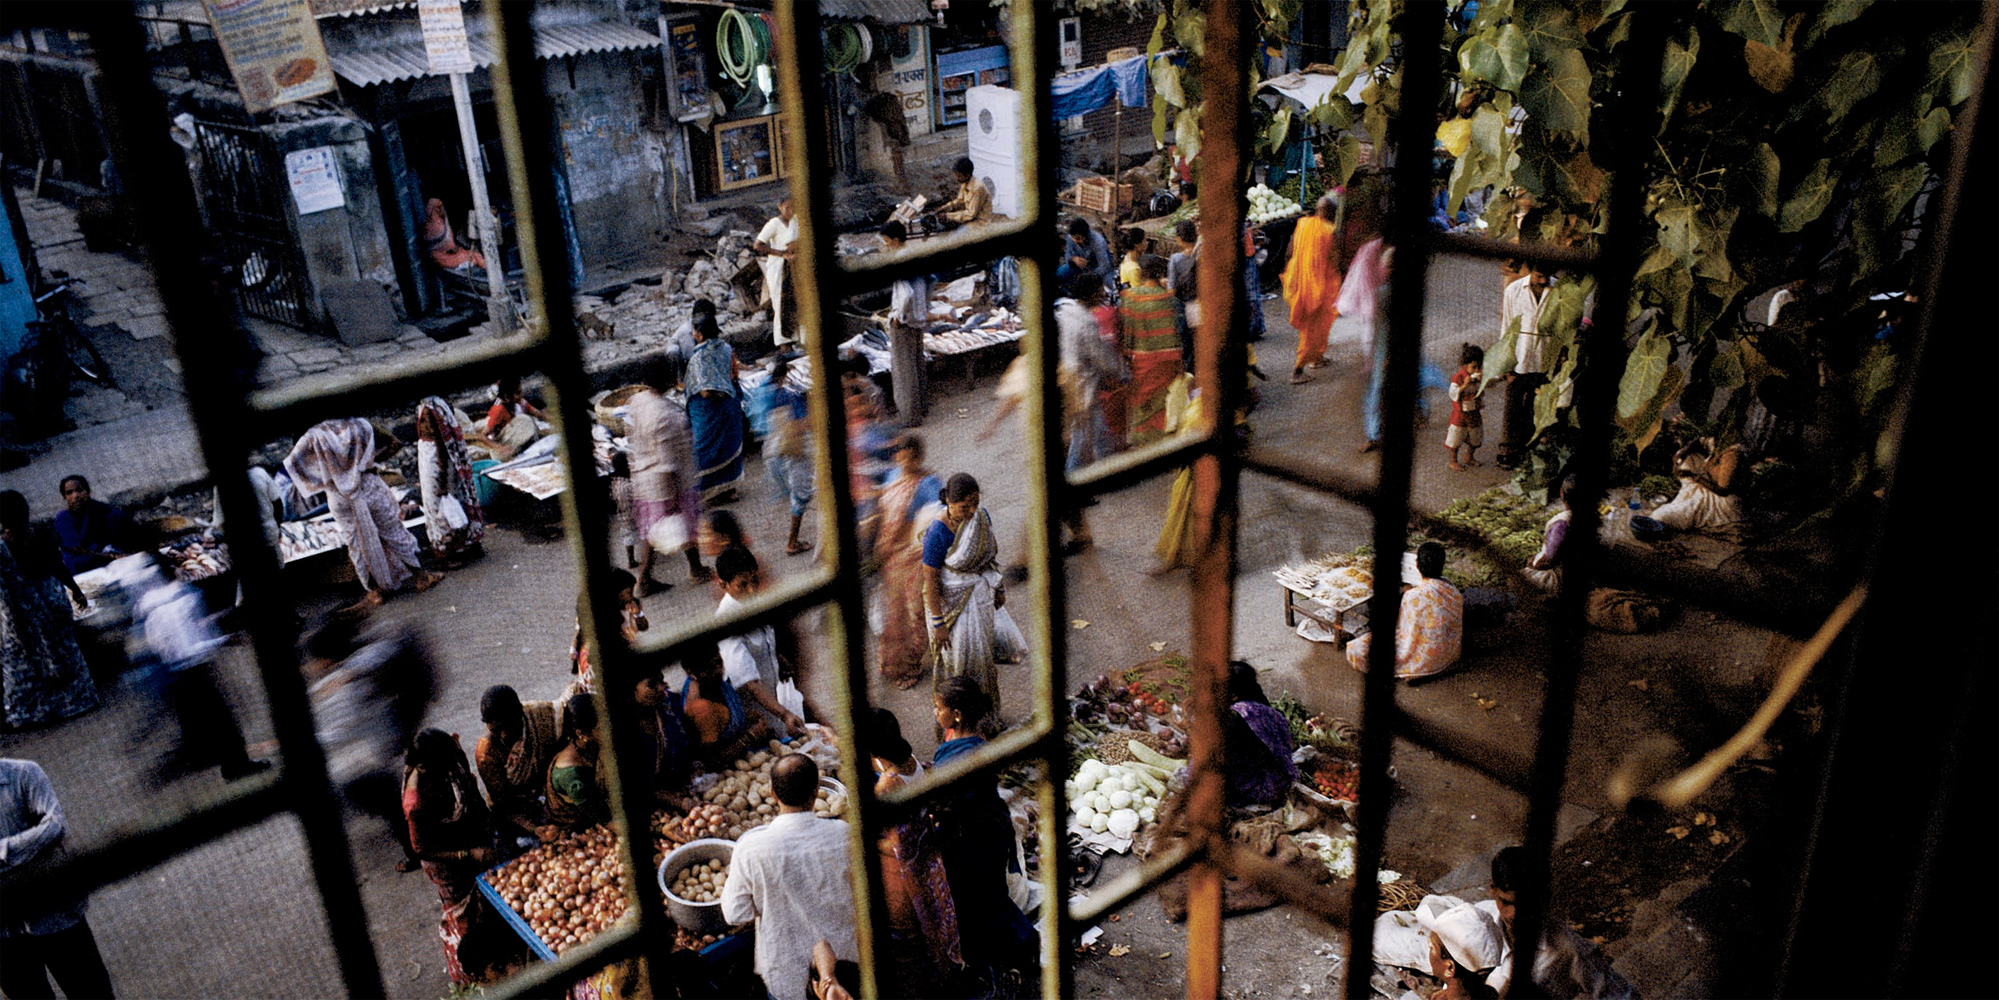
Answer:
(1645, 425)
(1856, 79)
(1187, 133)
(1954, 61)
(1343, 157)
(1758, 20)
(1190, 30)
(1547, 396)
(1680, 232)
(1808, 198)
(1279, 130)
(1158, 43)
(1166, 83)
(1877, 231)
(1557, 95)
(1333, 113)
(1643, 372)
(1755, 181)
(1549, 29)
(1832, 14)
(1497, 57)
(1491, 12)
(1499, 357)
(1679, 62)
(1158, 119)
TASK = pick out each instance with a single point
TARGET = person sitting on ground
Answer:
(90, 533)
(1256, 741)
(1566, 965)
(750, 658)
(723, 724)
(1446, 937)
(790, 877)
(1084, 252)
(576, 798)
(669, 752)
(973, 203)
(521, 741)
(1706, 474)
(1429, 630)
(1544, 570)
(506, 433)
(441, 243)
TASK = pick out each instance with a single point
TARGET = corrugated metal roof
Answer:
(351, 8)
(880, 11)
(406, 60)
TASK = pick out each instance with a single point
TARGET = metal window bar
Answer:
(301, 786)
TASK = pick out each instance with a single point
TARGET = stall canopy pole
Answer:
(484, 227)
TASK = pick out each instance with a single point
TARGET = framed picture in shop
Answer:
(687, 67)
(783, 152)
(744, 153)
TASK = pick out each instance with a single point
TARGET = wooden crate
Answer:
(1098, 194)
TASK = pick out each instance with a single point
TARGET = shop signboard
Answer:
(273, 49)
(443, 23)
(909, 73)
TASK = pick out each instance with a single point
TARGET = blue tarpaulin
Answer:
(1087, 90)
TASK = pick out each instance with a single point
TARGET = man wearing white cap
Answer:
(1445, 937)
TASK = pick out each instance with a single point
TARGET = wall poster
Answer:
(273, 49)
(687, 67)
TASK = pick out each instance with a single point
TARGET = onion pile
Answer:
(568, 890)
(701, 882)
(683, 941)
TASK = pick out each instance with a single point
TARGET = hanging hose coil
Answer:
(743, 43)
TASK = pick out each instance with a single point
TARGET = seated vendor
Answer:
(973, 203)
(669, 750)
(576, 798)
(1446, 937)
(1256, 741)
(723, 724)
(1706, 474)
(510, 424)
(1544, 570)
(522, 739)
(91, 533)
(1429, 629)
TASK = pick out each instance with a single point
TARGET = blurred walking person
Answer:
(1312, 285)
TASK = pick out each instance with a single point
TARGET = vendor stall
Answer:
(315, 536)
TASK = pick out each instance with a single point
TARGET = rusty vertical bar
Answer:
(1219, 359)
(814, 271)
(1420, 28)
(1596, 393)
(218, 366)
(533, 149)
(1048, 490)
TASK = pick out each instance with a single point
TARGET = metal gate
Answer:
(243, 177)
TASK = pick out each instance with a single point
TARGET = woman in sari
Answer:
(1257, 742)
(1145, 318)
(723, 724)
(445, 470)
(576, 799)
(922, 922)
(337, 457)
(976, 838)
(908, 504)
(715, 409)
(450, 834)
(43, 677)
(1312, 285)
(963, 590)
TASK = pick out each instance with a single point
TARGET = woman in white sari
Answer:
(337, 457)
(964, 593)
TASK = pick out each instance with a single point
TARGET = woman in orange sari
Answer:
(1145, 321)
(1312, 285)
(908, 504)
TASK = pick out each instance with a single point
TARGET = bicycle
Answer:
(53, 353)
(65, 339)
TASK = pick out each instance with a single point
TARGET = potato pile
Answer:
(830, 805)
(701, 882)
(568, 890)
(745, 798)
(705, 821)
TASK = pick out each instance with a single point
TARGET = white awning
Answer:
(1310, 89)
(406, 60)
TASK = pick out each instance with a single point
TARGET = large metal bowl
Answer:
(696, 918)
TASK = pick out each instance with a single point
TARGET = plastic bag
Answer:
(452, 513)
(668, 534)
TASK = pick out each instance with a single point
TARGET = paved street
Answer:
(240, 916)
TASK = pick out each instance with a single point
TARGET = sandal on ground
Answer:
(1301, 377)
(1075, 546)
(797, 548)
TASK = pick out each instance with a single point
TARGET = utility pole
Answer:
(486, 229)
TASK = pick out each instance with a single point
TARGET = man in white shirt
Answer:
(47, 935)
(1525, 300)
(749, 659)
(775, 245)
(790, 876)
(908, 314)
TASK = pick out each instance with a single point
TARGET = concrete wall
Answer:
(350, 241)
(613, 162)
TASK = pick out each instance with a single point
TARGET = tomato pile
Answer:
(1337, 779)
(568, 890)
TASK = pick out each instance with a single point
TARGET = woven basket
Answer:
(1402, 894)
(611, 401)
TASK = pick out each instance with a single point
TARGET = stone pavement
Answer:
(130, 462)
